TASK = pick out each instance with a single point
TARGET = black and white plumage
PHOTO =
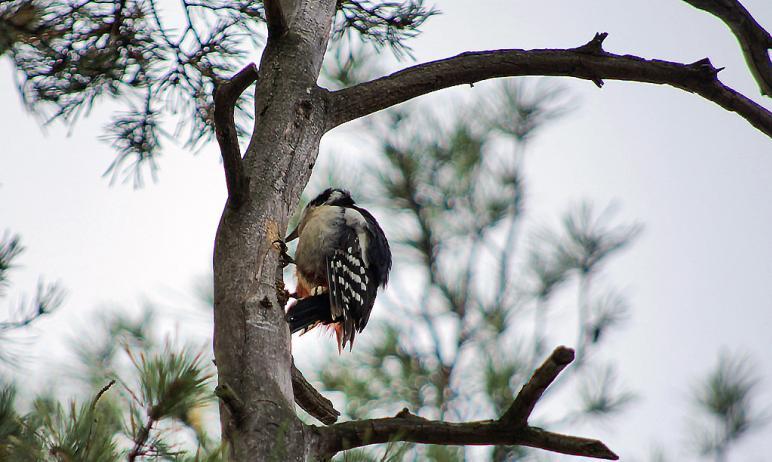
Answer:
(341, 259)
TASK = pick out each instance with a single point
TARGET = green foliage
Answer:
(139, 418)
(47, 298)
(10, 248)
(599, 393)
(728, 396)
(99, 352)
(172, 384)
(382, 23)
(71, 54)
(586, 242)
(527, 109)
(457, 194)
(52, 431)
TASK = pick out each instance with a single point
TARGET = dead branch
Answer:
(510, 429)
(311, 401)
(588, 62)
(529, 395)
(754, 40)
(225, 97)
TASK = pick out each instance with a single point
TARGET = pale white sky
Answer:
(699, 178)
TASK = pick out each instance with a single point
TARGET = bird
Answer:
(342, 257)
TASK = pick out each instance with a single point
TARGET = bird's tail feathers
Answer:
(308, 312)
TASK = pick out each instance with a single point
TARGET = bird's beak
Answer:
(292, 236)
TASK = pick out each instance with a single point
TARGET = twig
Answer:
(408, 427)
(101, 392)
(142, 436)
(588, 62)
(754, 40)
(225, 97)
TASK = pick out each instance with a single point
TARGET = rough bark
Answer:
(225, 98)
(251, 338)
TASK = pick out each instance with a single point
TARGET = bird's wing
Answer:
(351, 286)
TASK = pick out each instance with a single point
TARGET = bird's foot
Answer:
(284, 257)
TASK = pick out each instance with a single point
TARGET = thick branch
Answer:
(754, 40)
(511, 429)
(589, 62)
(310, 400)
(524, 402)
(414, 429)
(277, 14)
(225, 97)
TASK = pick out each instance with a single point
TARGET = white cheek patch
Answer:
(336, 195)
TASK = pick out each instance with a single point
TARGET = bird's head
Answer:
(332, 196)
(328, 197)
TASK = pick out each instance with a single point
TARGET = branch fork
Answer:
(754, 40)
(225, 96)
(511, 429)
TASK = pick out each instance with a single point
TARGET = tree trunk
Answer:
(251, 337)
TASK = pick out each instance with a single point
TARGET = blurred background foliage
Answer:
(477, 296)
(24, 312)
(138, 399)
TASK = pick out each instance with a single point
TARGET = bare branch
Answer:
(588, 62)
(566, 444)
(511, 429)
(407, 427)
(523, 405)
(310, 400)
(225, 97)
(754, 40)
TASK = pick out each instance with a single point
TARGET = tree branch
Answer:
(588, 62)
(524, 402)
(140, 440)
(310, 400)
(414, 429)
(754, 40)
(277, 15)
(510, 429)
(225, 97)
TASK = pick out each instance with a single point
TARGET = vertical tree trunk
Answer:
(251, 337)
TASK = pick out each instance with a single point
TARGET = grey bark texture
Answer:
(251, 338)
(292, 113)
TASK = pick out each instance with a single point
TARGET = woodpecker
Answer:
(341, 258)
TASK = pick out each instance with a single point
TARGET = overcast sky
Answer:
(699, 178)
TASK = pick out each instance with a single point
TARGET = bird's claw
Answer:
(283, 255)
